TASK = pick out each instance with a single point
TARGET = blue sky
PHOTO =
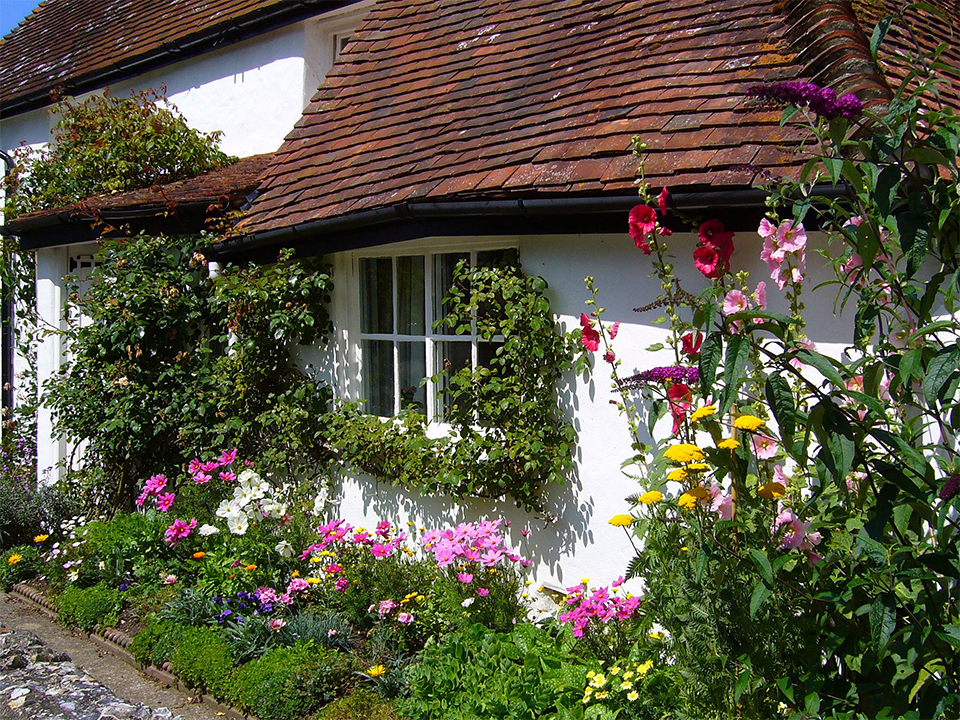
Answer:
(13, 11)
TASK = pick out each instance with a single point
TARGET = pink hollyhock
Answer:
(610, 357)
(589, 336)
(780, 476)
(690, 344)
(735, 302)
(465, 578)
(723, 506)
(482, 592)
(405, 618)
(767, 229)
(664, 232)
(614, 329)
(165, 502)
(662, 201)
(642, 222)
(790, 237)
(760, 295)
(679, 397)
(764, 447)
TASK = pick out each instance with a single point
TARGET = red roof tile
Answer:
(80, 45)
(466, 99)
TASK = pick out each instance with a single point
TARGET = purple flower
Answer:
(673, 373)
(822, 101)
(950, 488)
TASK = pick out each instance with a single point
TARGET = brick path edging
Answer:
(116, 642)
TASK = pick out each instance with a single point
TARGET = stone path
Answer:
(48, 674)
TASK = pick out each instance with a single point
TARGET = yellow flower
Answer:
(728, 444)
(651, 496)
(687, 501)
(771, 491)
(698, 492)
(315, 560)
(631, 696)
(14, 559)
(704, 412)
(313, 581)
(643, 669)
(747, 422)
(40, 538)
(657, 635)
(376, 671)
(602, 695)
(295, 573)
(590, 674)
(419, 598)
(677, 475)
(626, 685)
(683, 453)
(599, 680)
(199, 555)
(684, 549)
(622, 520)
(615, 670)
(696, 467)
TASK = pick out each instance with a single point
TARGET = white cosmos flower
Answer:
(227, 508)
(274, 510)
(468, 602)
(319, 503)
(206, 530)
(238, 523)
(284, 548)
(248, 477)
(242, 496)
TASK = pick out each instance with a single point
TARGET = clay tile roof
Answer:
(477, 99)
(215, 192)
(80, 45)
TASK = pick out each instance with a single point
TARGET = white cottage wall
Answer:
(580, 542)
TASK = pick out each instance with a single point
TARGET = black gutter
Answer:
(6, 321)
(739, 209)
(212, 38)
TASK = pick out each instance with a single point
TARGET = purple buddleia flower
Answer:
(950, 488)
(660, 375)
(823, 101)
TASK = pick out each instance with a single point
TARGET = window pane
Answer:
(442, 282)
(450, 356)
(410, 305)
(412, 357)
(376, 295)
(498, 258)
(486, 351)
(378, 376)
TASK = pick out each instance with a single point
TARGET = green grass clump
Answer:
(86, 608)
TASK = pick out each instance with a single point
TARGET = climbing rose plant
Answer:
(799, 521)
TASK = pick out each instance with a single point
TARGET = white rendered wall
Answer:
(580, 543)
(51, 267)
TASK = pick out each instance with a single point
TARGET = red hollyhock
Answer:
(679, 397)
(691, 345)
(588, 336)
(709, 263)
(662, 201)
(643, 221)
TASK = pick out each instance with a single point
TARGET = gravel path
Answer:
(46, 673)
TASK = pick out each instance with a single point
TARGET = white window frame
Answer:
(430, 338)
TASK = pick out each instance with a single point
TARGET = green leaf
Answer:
(939, 370)
(780, 400)
(734, 369)
(762, 564)
(761, 593)
(710, 353)
(826, 366)
(879, 33)
(883, 621)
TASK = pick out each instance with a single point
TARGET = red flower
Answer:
(610, 357)
(614, 329)
(714, 236)
(709, 263)
(589, 336)
(662, 201)
(691, 345)
(643, 221)
(679, 397)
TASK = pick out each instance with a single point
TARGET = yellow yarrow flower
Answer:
(644, 668)
(651, 496)
(687, 501)
(622, 520)
(696, 467)
(683, 453)
(728, 444)
(772, 491)
(40, 538)
(14, 559)
(677, 475)
(704, 412)
(747, 422)
(376, 671)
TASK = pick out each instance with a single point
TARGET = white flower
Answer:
(73, 575)
(206, 530)
(238, 523)
(320, 502)
(468, 602)
(259, 489)
(274, 510)
(228, 507)
(284, 548)
(242, 495)
(248, 477)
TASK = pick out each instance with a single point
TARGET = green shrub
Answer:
(27, 510)
(18, 564)
(203, 659)
(87, 607)
(290, 682)
(478, 673)
(361, 704)
(156, 643)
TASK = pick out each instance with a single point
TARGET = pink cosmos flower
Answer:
(228, 476)
(333, 569)
(405, 618)
(524, 532)
(383, 529)
(482, 592)
(614, 329)
(201, 477)
(764, 447)
(465, 578)
(165, 502)
(342, 584)
(194, 466)
(179, 530)
(227, 457)
(735, 302)
(381, 550)
(142, 498)
(155, 485)
(642, 222)
(589, 336)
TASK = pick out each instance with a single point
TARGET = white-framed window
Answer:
(401, 298)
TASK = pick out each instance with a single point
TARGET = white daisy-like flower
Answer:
(242, 495)
(284, 548)
(238, 523)
(227, 508)
(248, 477)
(207, 530)
(274, 510)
